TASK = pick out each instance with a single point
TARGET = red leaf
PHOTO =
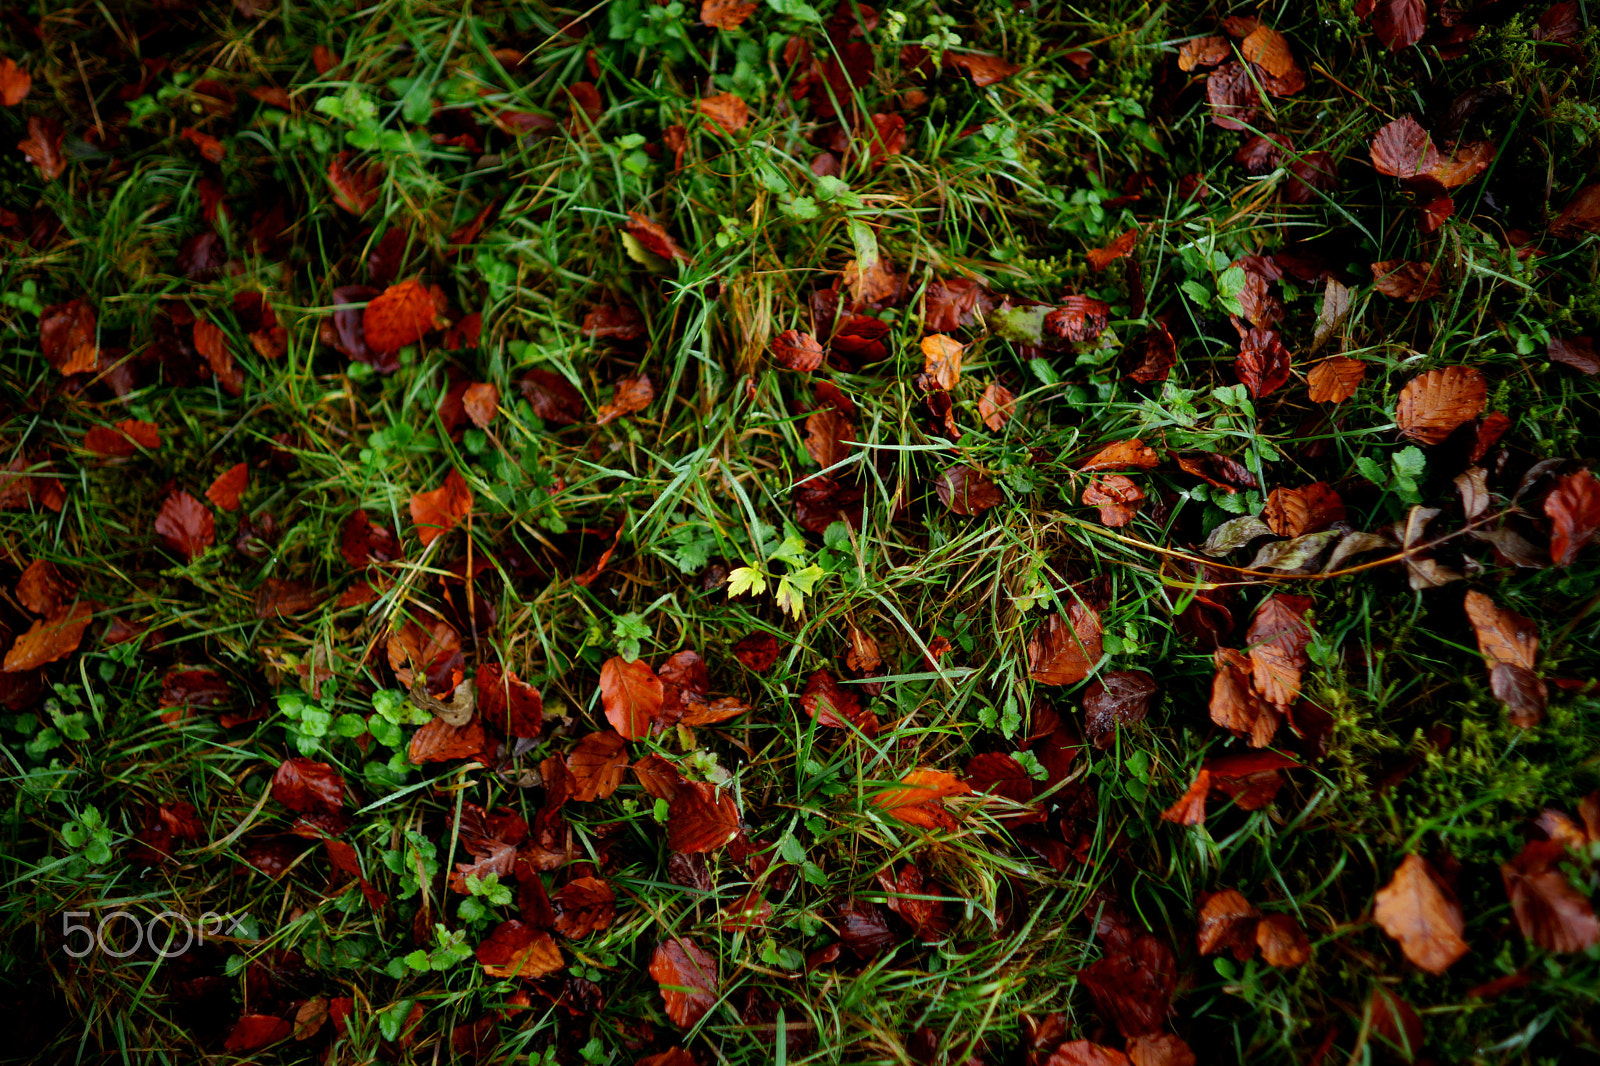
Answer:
(584, 906)
(481, 402)
(123, 439)
(1191, 806)
(14, 83)
(996, 407)
(1278, 637)
(688, 978)
(701, 818)
(67, 336)
(50, 638)
(984, 70)
(1282, 942)
(1411, 282)
(758, 651)
(1399, 23)
(1235, 705)
(835, 706)
(185, 525)
(439, 741)
(1117, 497)
(400, 315)
(722, 15)
(42, 146)
(597, 765)
(1060, 653)
(794, 350)
(1263, 364)
(727, 112)
(438, 511)
(1403, 149)
(1132, 985)
(654, 238)
(1573, 508)
(1100, 258)
(43, 589)
(355, 188)
(516, 949)
(829, 434)
(508, 703)
(361, 542)
(1232, 96)
(1203, 52)
(256, 1031)
(224, 491)
(1549, 911)
(1079, 318)
(919, 799)
(1576, 352)
(632, 695)
(1227, 920)
(966, 490)
(307, 786)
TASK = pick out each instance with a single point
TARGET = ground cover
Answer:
(751, 533)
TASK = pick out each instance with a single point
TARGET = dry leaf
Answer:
(1235, 704)
(794, 350)
(700, 818)
(1278, 637)
(1296, 512)
(726, 112)
(1411, 282)
(1282, 942)
(1100, 258)
(1433, 405)
(597, 765)
(1122, 455)
(1335, 380)
(481, 402)
(1417, 909)
(1227, 920)
(1503, 636)
(1117, 497)
(517, 949)
(1203, 52)
(654, 238)
(829, 434)
(941, 361)
(14, 83)
(725, 14)
(984, 70)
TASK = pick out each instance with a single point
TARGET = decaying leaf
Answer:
(1417, 909)
(1235, 704)
(436, 512)
(1336, 379)
(1296, 512)
(400, 315)
(726, 112)
(688, 978)
(965, 490)
(517, 949)
(1411, 282)
(1117, 497)
(996, 407)
(701, 818)
(1549, 910)
(1573, 508)
(1121, 455)
(185, 525)
(50, 639)
(630, 395)
(1278, 637)
(1403, 149)
(1434, 404)
(1121, 697)
(1227, 921)
(794, 350)
(941, 356)
(1062, 652)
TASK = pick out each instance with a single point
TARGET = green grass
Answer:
(1008, 185)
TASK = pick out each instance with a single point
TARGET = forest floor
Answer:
(1000, 533)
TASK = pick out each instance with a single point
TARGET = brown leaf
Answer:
(1086, 1053)
(1549, 911)
(507, 702)
(438, 511)
(632, 695)
(355, 188)
(688, 978)
(42, 146)
(1503, 636)
(919, 799)
(1573, 508)
(14, 83)
(1335, 380)
(307, 786)
(996, 407)
(400, 315)
(1580, 216)
(758, 651)
(746, 914)
(725, 14)
(1403, 149)
(1411, 282)
(1122, 455)
(439, 741)
(1232, 95)
(1203, 52)
(185, 525)
(654, 238)
(966, 490)
(1417, 909)
(67, 335)
(1433, 405)
(835, 706)
(941, 356)
(1576, 352)
(1160, 1049)
(1269, 50)
(552, 397)
(212, 343)
(1235, 704)
(123, 439)
(1399, 23)
(1132, 984)
(49, 639)
(1100, 258)
(516, 949)
(1522, 691)
(1079, 318)
(829, 435)
(1218, 471)
(481, 402)
(1263, 364)
(597, 765)
(1283, 943)
(1278, 637)
(1153, 357)
(1121, 697)
(726, 112)
(983, 69)
(431, 652)
(224, 491)
(279, 597)
(1310, 509)
(794, 350)
(43, 589)
(1060, 653)
(1463, 165)
(584, 906)
(1227, 920)
(701, 818)
(1117, 497)
(1191, 806)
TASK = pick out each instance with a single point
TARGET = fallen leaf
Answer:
(1503, 636)
(1203, 52)
(439, 741)
(507, 702)
(584, 906)
(1548, 909)
(281, 597)
(1132, 984)
(1310, 509)
(1063, 653)
(481, 402)
(308, 786)
(726, 111)
(49, 639)
(829, 434)
(1117, 497)
(14, 83)
(701, 818)
(725, 15)
(42, 146)
(758, 651)
(1086, 1053)
(1399, 23)
(1332, 312)
(1522, 691)
(1269, 50)
(1227, 920)
(254, 1031)
(1100, 258)
(1191, 806)
(996, 407)
(552, 397)
(1160, 1049)
(653, 238)
(631, 395)
(224, 491)
(436, 512)
(835, 706)
(516, 949)
(1232, 96)
(1411, 282)
(400, 315)
(1263, 363)
(1283, 943)
(1433, 405)
(1573, 508)
(355, 188)
(984, 70)
(919, 799)
(1278, 637)
(597, 765)
(688, 978)
(67, 337)
(631, 694)
(1235, 704)
(1335, 380)
(941, 357)
(1580, 216)
(1251, 779)
(1463, 165)
(794, 350)
(1576, 352)
(185, 525)
(43, 589)
(965, 490)
(1078, 319)
(123, 439)
(1122, 455)
(1417, 909)
(1403, 149)
(1218, 471)
(1121, 697)
(212, 343)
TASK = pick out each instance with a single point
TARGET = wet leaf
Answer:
(552, 397)
(597, 765)
(758, 651)
(436, 512)
(1522, 691)
(996, 407)
(1310, 509)
(67, 337)
(1121, 697)
(701, 818)
(1132, 984)
(123, 439)
(1218, 471)
(725, 111)
(1334, 309)
(834, 705)
(584, 906)
(1100, 258)
(1293, 555)
(516, 949)
(1435, 404)
(43, 589)
(829, 435)
(1282, 942)
(1234, 534)
(1399, 23)
(481, 402)
(254, 1031)
(1576, 352)
(1232, 96)
(1062, 652)
(984, 70)
(355, 188)
(725, 14)
(1548, 909)
(224, 491)
(1235, 704)
(632, 695)
(919, 799)
(1122, 455)
(1263, 364)
(507, 703)
(1156, 353)
(1160, 1049)
(1503, 636)
(1403, 149)
(1335, 380)
(1227, 921)
(400, 315)
(965, 490)
(794, 350)
(14, 83)
(653, 238)
(185, 525)
(1086, 1053)
(941, 361)
(1573, 508)
(49, 639)
(1269, 50)
(439, 741)
(688, 978)
(1278, 637)
(1463, 165)
(1580, 216)
(1419, 911)
(1117, 497)
(1411, 282)
(1079, 318)
(308, 786)
(42, 146)
(1203, 52)
(1191, 806)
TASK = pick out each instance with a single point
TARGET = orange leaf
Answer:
(517, 949)
(794, 350)
(1573, 508)
(1283, 943)
(701, 817)
(1235, 705)
(632, 695)
(67, 336)
(1269, 50)
(1202, 52)
(829, 435)
(50, 639)
(1310, 509)
(355, 188)
(984, 70)
(727, 112)
(1227, 920)
(400, 315)
(414, 649)
(42, 146)
(1117, 497)
(224, 492)
(437, 512)
(1100, 258)
(14, 83)
(1433, 405)
(439, 741)
(1417, 909)
(1191, 806)
(1403, 149)
(597, 765)
(1122, 455)
(1335, 380)
(688, 978)
(919, 799)
(941, 361)
(654, 238)
(1503, 636)
(1060, 653)
(481, 401)
(725, 14)
(42, 589)
(1278, 637)
(632, 394)
(123, 439)
(996, 407)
